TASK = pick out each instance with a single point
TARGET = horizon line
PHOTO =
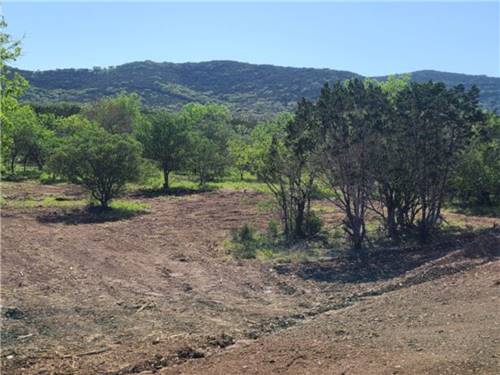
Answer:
(250, 63)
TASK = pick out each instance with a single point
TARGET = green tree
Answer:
(239, 149)
(11, 87)
(288, 168)
(165, 139)
(29, 141)
(393, 197)
(348, 115)
(119, 114)
(210, 131)
(476, 180)
(438, 124)
(261, 138)
(68, 126)
(99, 161)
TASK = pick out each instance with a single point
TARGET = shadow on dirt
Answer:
(88, 215)
(174, 192)
(387, 263)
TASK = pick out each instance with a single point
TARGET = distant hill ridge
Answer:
(246, 88)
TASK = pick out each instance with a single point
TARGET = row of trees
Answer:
(391, 148)
(91, 147)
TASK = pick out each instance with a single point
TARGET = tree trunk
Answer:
(103, 200)
(13, 164)
(166, 173)
(357, 237)
(423, 225)
(391, 223)
(299, 221)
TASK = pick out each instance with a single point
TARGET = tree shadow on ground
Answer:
(20, 176)
(88, 215)
(174, 192)
(478, 210)
(390, 262)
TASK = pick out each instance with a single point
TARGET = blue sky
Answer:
(369, 38)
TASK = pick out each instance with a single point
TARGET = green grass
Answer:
(232, 181)
(266, 251)
(125, 206)
(129, 206)
(20, 174)
(153, 181)
(305, 253)
(248, 243)
(186, 182)
(489, 211)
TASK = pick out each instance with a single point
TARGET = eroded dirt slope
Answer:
(446, 326)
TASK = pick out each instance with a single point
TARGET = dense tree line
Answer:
(391, 148)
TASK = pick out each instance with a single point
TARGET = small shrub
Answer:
(272, 231)
(244, 242)
(247, 243)
(313, 224)
(266, 254)
(244, 234)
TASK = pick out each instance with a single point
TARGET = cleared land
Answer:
(155, 290)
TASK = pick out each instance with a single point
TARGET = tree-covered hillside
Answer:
(489, 86)
(244, 88)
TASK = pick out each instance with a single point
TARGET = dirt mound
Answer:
(485, 246)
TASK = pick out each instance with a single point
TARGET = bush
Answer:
(244, 242)
(313, 224)
(272, 231)
(99, 161)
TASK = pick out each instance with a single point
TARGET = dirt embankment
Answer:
(448, 324)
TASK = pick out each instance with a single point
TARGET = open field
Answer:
(154, 289)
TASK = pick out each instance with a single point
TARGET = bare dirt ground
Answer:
(158, 293)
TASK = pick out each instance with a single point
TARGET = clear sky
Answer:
(369, 38)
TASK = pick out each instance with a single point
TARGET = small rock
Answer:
(14, 313)
(189, 353)
(253, 335)
(221, 341)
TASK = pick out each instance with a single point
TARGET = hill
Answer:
(489, 86)
(257, 89)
